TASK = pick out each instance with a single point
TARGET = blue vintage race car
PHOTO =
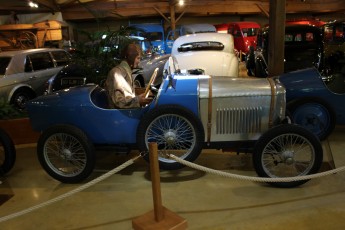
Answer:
(188, 113)
(313, 103)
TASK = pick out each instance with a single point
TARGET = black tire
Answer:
(7, 153)
(313, 115)
(66, 153)
(21, 97)
(260, 69)
(287, 150)
(176, 130)
(250, 62)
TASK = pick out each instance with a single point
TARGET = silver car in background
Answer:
(24, 73)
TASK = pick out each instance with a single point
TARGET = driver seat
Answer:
(99, 98)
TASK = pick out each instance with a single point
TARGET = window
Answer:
(339, 33)
(249, 32)
(28, 65)
(309, 37)
(328, 33)
(298, 37)
(334, 33)
(154, 36)
(61, 58)
(4, 61)
(41, 61)
(288, 37)
(200, 46)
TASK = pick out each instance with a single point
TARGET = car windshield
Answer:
(4, 61)
(250, 32)
(154, 36)
(200, 46)
(334, 33)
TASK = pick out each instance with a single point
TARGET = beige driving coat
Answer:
(120, 87)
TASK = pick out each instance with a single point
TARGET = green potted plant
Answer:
(101, 52)
(16, 124)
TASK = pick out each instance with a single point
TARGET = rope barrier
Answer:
(179, 160)
(250, 178)
(72, 192)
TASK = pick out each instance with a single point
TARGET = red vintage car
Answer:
(245, 34)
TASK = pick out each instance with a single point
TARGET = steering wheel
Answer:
(152, 79)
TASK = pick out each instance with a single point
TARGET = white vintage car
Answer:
(204, 53)
(213, 53)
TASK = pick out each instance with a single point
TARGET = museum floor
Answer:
(204, 200)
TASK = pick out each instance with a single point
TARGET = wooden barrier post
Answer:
(159, 218)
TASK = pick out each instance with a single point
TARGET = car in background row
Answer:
(334, 48)
(211, 53)
(69, 76)
(312, 103)
(245, 35)
(186, 29)
(303, 48)
(24, 73)
(201, 53)
(307, 44)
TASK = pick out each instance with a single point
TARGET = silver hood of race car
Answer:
(239, 108)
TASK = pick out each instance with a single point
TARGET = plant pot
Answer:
(20, 130)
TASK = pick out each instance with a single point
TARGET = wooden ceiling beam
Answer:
(75, 9)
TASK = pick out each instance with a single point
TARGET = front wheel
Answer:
(287, 151)
(176, 130)
(66, 154)
(7, 153)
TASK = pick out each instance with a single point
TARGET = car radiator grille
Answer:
(238, 120)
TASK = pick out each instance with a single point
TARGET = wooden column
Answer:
(172, 17)
(276, 37)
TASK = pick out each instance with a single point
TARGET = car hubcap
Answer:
(66, 154)
(170, 137)
(288, 157)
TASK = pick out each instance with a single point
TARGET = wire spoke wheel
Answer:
(66, 154)
(173, 134)
(27, 40)
(176, 131)
(288, 155)
(287, 151)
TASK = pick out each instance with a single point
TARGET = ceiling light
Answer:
(33, 4)
(181, 2)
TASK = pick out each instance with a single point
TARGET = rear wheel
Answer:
(287, 151)
(21, 97)
(66, 154)
(7, 153)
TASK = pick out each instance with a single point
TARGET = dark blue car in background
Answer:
(313, 103)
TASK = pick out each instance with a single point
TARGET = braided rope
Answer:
(250, 178)
(72, 192)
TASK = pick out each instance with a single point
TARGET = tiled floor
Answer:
(205, 200)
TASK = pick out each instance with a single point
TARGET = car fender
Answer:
(302, 100)
(19, 87)
(233, 70)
